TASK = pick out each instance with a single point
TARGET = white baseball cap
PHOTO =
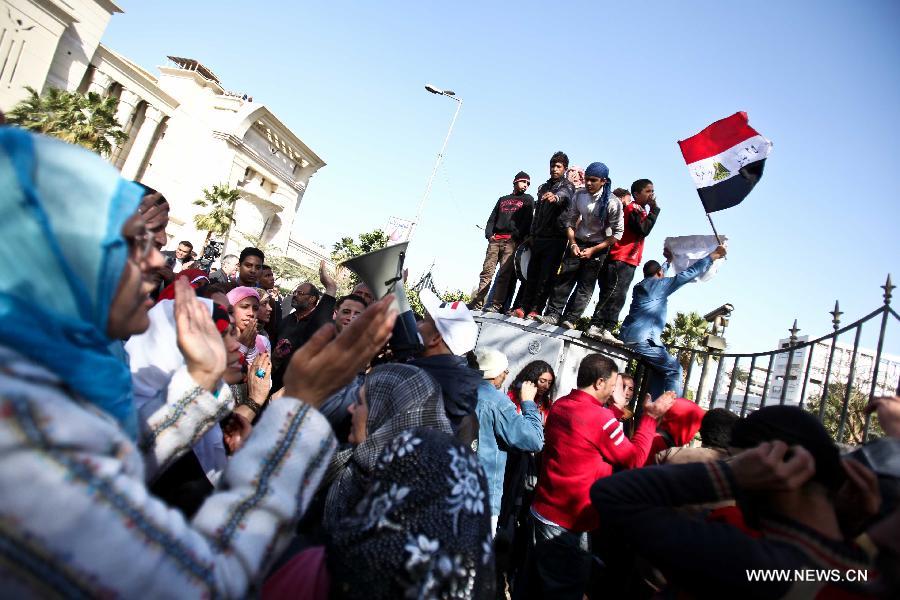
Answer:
(491, 362)
(453, 321)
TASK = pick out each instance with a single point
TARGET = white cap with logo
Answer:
(453, 321)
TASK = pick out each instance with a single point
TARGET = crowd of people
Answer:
(174, 431)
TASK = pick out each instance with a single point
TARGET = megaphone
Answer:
(382, 271)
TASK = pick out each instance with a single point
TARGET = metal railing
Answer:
(798, 372)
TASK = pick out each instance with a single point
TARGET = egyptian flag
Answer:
(725, 160)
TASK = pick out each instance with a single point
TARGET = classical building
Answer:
(186, 132)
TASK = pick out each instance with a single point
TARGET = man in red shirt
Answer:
(640, 214)
(583, 442)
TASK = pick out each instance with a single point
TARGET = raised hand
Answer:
(198, 339)
(719, 252)
(235, 431)
(326, 363)
(327, 280)
(661, 406)
(248, 335)
(528, 391)
(769, 468)
(888, 410)
(258, 387)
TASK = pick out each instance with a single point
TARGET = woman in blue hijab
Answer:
(76, 518)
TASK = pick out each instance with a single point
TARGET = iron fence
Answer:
(829, 377)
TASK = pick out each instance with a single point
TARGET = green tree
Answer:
(88, 120)
(687, 331)
(366, 242)
(219, 204)
(856, 415)
(415, 303)
(347, 248)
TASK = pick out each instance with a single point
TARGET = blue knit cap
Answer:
(598, 169)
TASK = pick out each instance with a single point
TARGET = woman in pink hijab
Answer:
(245, 306)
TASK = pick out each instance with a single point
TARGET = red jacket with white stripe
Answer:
(583, 441)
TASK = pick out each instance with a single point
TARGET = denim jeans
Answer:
(558, 564)
(665, 370)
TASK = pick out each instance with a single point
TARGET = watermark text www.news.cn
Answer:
(797, 575)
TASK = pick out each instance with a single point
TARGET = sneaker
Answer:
(533, 315)
(595, 332)
(517, 313)
(549, 319)
(567, 324)
(609, 338)
(492, 309)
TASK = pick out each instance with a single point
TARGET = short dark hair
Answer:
(594, 367)
(186, 243)
(620, 193)
(353, 297)
(716, 426)
(560, 157)
(651, 268)
(265, 268)
(638, 186)
(251, 251)
(313, 290)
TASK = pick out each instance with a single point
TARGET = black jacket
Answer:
(550, 217)
(294, 332)
(512, 215)
(459, 384)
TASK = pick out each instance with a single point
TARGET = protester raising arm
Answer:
(698, 268)
(707, 559)
(85, 524)
(525, 431)
(615, 446)
(196, 398)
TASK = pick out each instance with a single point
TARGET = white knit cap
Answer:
(491, 362)
(453, 321)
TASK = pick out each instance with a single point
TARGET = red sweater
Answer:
(638, 224)
(583, 441)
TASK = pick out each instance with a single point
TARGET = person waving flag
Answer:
(725, 160)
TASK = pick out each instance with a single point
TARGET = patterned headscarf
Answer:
(63, 255)
(399, 398)
(422, 528)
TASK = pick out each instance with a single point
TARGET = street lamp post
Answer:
(449, 94)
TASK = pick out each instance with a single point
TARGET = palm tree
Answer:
(88, 120)
(686, 331)
(219, 202)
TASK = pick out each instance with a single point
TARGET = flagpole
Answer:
(711, 224)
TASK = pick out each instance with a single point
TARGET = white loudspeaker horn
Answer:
(382, 271)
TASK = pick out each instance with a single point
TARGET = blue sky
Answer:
(614, 82)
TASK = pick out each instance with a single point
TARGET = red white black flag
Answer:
(725, 160)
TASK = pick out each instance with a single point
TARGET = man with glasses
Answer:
(507, 226)
(312, 309)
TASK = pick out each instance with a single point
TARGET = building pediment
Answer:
(134, 78)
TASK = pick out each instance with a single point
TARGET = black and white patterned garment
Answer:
(422, 529)
(399, 398)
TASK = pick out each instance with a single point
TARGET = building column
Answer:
(99, 83)
(143, 139)
(127, 101)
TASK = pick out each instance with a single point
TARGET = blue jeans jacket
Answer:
(650, 302)
(500, 427)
